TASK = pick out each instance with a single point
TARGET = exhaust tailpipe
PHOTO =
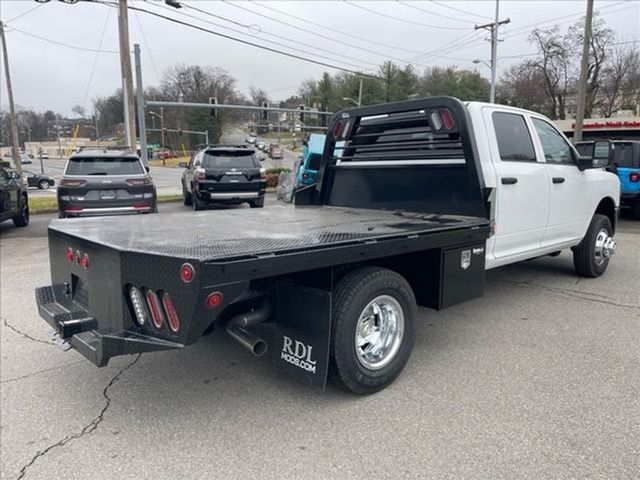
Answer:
(238, 328)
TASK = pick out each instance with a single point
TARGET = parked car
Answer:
(251, 140)
(223, 174)
(261, 145)
(105, 182)
(428, 195)
(45, 156)
(275, 151)
(626, 164)
(26, 159)
(311, 158)
(38, 180)
(14, 201)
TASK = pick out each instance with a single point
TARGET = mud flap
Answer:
(300, 343)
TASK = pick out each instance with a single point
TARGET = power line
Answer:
(326, 37)
(410, 5)
(463, 41)
(95, 59)
(146, 45)
(252, 44)
(335, 30)
(404, 20)
(24, 13)
(277, 36)
(55, 42)
(459, 10)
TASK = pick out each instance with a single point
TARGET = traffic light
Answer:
(301, 114)
(265, 112)
(213, 113)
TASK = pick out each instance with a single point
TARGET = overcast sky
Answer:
(51, 76)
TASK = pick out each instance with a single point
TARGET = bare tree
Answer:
(620, 80)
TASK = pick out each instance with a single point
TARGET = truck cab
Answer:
(542, 199)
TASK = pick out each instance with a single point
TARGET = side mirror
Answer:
(602, 153)
(182, 164)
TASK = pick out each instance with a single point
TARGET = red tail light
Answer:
(447, 118)
(305, 175)
(214, 300)
(72, 208)
(141, 206)
(134, 182)
(70, 182)
(154, 306)
(187, 272)
(69, 254)
(337, 130)
(84, 261)
(172, 315)
(634, 177)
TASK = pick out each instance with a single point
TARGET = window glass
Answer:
(104, 166)
(231, 159)
(623, 155)
(514, 141)
(314, 161)
(555, 147)
(585, 149)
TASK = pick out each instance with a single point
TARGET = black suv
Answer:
(105, 182)
(14, 203)
(224, 174)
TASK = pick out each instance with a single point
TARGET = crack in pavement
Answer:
(570, 293)
(26, 335)
(87, 429)
(28, 375)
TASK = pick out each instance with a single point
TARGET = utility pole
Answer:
(127, 78)
(12, 111)
(584, 66)
(360, 93)
(493, 28)
(140, 98)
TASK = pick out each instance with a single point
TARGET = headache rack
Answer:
(417, 155)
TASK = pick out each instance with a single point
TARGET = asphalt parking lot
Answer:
(540, 378)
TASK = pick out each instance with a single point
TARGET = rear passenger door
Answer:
(570, 206)
(522, 192)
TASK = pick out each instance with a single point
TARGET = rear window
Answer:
(514, 140)
(623, 155)
(314, 162)
(104, 166)
(229, 160)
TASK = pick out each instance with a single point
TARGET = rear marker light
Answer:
(187, 272)
(78, 256)
(154, 305)
(436, 123)
(84, 261)
(214, 300)
(69, 254)
(137, 301)
(447, 118)
(337, 131)
(172, 315)
(634, 177)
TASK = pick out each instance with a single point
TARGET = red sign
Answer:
(611, 124)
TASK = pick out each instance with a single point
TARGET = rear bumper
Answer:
(231, 196)
(78, 328)
(629, 199)
(70, 209)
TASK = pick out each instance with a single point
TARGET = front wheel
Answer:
(373, 329)
(43, 185)
(591, 257)
(22, 219)
(187, 199)
(196, 203)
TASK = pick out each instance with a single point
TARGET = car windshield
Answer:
(104, 166)
(228, 160)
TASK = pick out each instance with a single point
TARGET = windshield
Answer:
(104, 166)
(229, 160)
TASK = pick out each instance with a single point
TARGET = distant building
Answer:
(604, 128)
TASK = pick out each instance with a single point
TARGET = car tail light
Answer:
(214, 300)
(70, 182)
(139, 309)
(141, 206)
(634, 177)
(436, 121)
(263, 174)
(73, 208)
(201, 173)
(69, 255)
(154, 305)
(84, 261)
(447, 118)
(337, 130)
(187, 272)
(305, 175)
(172, 315)
(135, 182)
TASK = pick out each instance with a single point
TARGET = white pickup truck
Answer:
(544, 197)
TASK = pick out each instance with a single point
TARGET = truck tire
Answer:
(257, 203)
(588, 257)
(373, 330)
(196, 203)
(186, 196)
(635, 210)
(22, 219)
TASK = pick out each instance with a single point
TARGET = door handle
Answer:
(509, 180)
(558, 179)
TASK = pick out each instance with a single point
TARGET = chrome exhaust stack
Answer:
(239, 328)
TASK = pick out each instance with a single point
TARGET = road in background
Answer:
(537, 379)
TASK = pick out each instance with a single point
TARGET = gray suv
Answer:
(105, 182)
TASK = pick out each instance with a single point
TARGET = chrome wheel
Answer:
(605, 247)
(379, 332)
